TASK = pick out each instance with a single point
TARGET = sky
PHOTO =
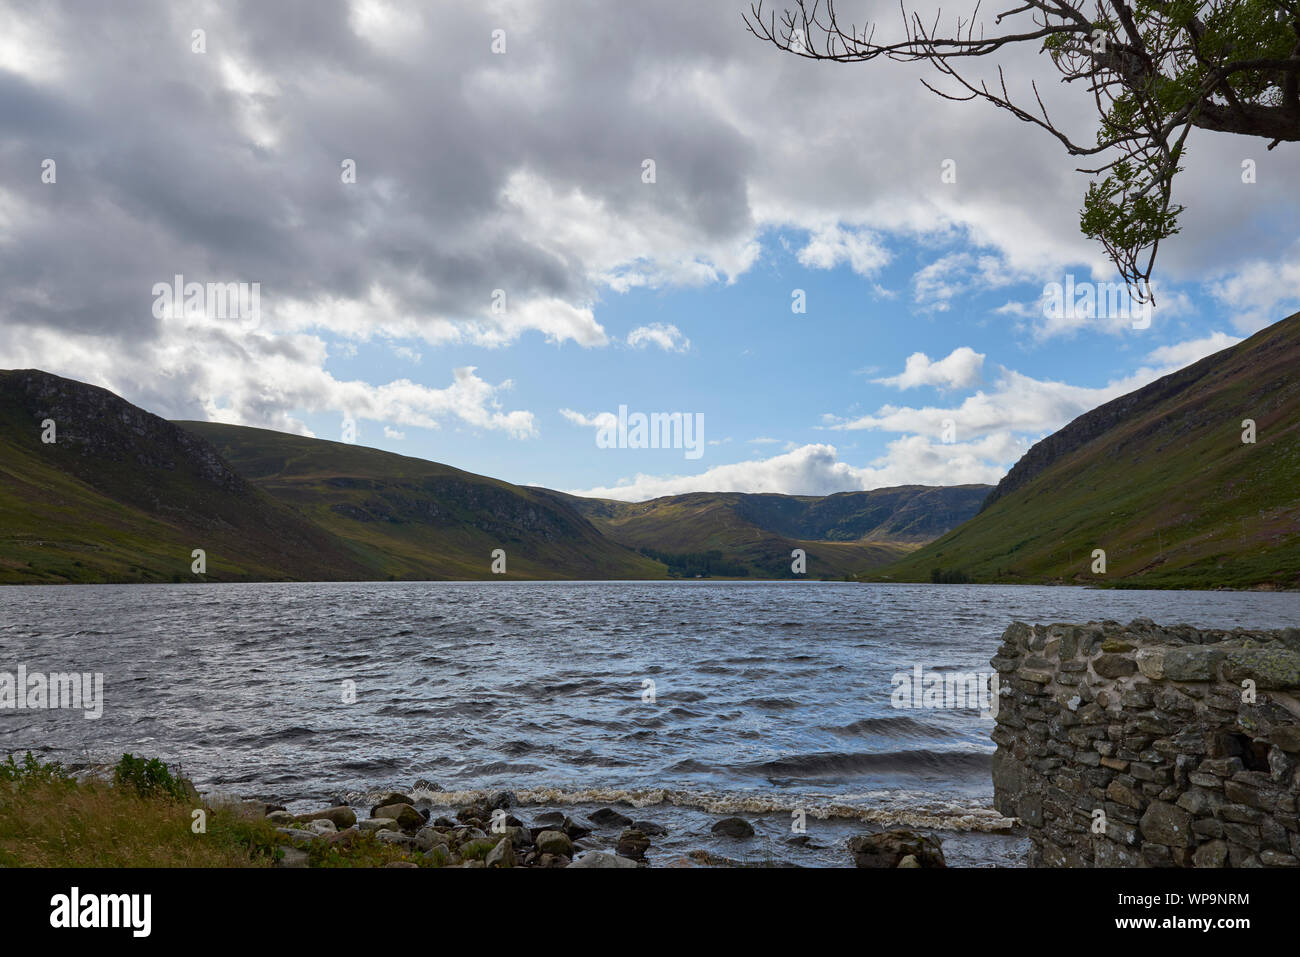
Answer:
(478, 230)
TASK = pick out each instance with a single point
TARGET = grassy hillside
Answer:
(124, 496)
(418, 519)
(1160, 479)
(754, 534)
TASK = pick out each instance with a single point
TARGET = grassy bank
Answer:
(143, 816)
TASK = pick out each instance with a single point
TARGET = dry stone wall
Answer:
(1147, 746)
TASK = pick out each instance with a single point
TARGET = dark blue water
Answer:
(768, 697)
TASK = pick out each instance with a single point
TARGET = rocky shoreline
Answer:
(489, 832)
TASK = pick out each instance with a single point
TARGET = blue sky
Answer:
(768, 380)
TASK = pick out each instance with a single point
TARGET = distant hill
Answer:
(754, 534)
(417, 519)
(124, 496)
(1159, 479)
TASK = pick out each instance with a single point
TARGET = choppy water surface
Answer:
(767, 696)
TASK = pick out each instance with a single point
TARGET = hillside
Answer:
(754, 534)
(124, 496)
(1160, 479)
(417, 519)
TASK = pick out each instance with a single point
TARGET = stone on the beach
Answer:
(575, 830)
(322, 826)
(518, 836)
(280, 817)
(554, 842)
(633, 844)
(378, 824)
(395, 797)
(463, 834)
(503, 855)
(553, 860)
(341, 816)
(407, 817)
(478, 813)
(650, 828)
(438, 856)
(888, 849)
(909, 860)
(344, 838)
(298, 836)
(601, 859)
(399, 839)
(608, 817)
(548, 818)
(433, 836)
(292, 857)
(734, 827)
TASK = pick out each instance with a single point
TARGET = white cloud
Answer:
(817, 470)
(831, 244)
(960, 274)
(196, 368)
(960, 369)
(1106, 307)
(1260, 293)
(1017, 403)
(392, 433)
(597, 421)
(1182, 354)
(666, 337)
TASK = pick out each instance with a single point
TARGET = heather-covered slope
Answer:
(413, 518)
(123, 495)
(1159, 479)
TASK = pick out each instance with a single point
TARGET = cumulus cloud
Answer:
(831, 244)
(1260, 292)
(960, 369)
(1181, 354)
(201, 369)
(1016, 403)
(817, 470)
(666, 337)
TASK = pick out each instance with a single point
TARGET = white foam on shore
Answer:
(892, 808)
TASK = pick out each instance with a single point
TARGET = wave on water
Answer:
(838, 763)
(895, 808)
